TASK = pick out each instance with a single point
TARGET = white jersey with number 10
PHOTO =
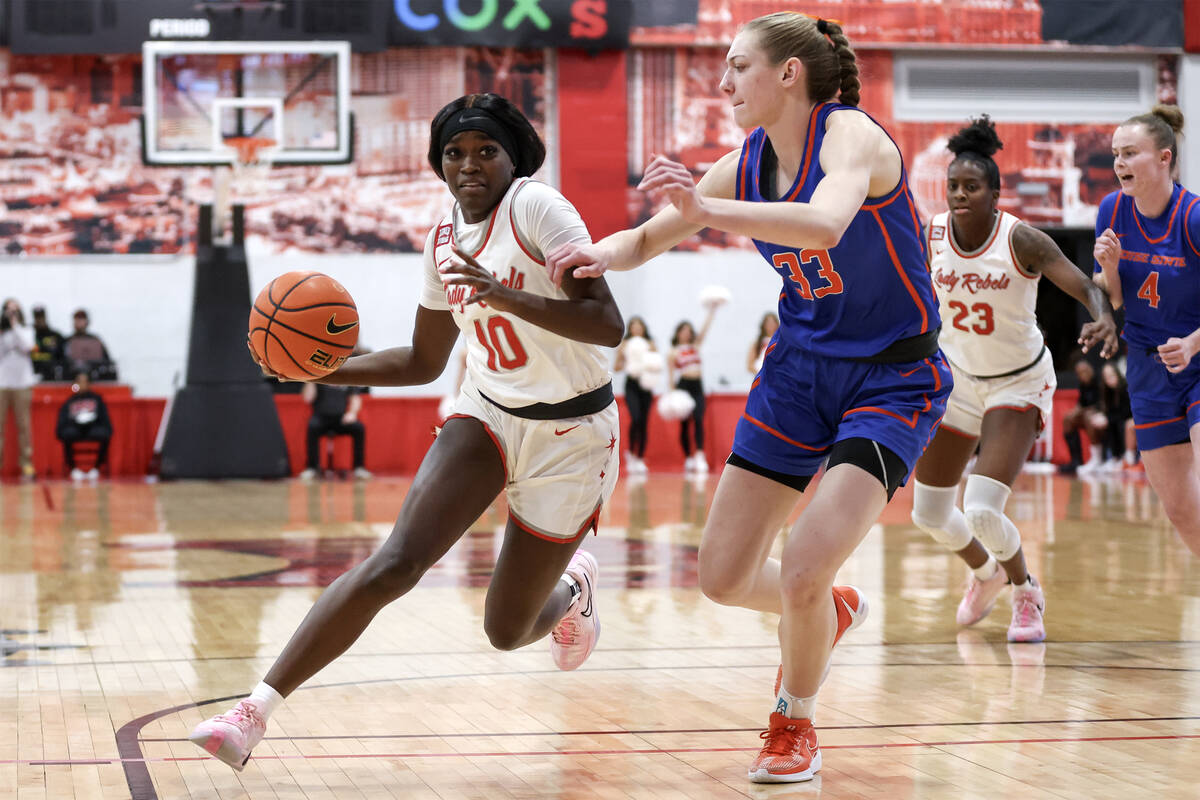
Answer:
(510, 360)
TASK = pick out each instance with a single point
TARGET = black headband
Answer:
(478, 119)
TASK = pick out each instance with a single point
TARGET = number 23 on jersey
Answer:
(825, 270)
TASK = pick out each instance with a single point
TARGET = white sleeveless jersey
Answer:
(987, 302)
(510, 360)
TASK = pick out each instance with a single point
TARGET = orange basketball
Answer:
(303, 325)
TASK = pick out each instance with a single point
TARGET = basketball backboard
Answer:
(197, 95)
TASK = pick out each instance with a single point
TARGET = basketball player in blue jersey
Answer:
(1147, 256)
(853, 374)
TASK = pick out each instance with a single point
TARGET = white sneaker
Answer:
(1093, 465)
(309, 474)
(93, 474)
(77, 474)
(363, 474)
(699, 462)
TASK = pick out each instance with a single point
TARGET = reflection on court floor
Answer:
(131, 611)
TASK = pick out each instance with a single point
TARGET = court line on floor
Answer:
(652, 731)
(593, 752)
(137, 775)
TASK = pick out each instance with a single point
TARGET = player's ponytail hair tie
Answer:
(474, 118)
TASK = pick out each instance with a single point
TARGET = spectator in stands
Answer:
(84, 418)
(1087, 416)
(48, 355)
(84, 351)
(335, 411)
(16, 380)
(1120, 440)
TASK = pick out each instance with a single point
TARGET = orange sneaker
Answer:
(852, 608)
(789, 753)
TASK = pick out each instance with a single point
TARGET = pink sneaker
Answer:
(1028, 606)
(575, 635)
(232, 735)
(980, 597)
(852, 608)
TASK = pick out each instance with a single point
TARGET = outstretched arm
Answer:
(706, 325)
(631, 248)
(1037, 252)
(848, 155)
(589, 314)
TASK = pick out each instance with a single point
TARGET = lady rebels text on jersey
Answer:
(989, 325)
(510, 360)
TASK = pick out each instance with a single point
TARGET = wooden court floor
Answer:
(139, 609)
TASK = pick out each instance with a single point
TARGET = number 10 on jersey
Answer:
(500, 341)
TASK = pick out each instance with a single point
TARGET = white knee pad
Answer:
(983, 506)
(935, 513)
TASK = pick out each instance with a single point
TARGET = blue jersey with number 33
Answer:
(870, 290)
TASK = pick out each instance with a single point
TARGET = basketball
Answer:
(303, 325)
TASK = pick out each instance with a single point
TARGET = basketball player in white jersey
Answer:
(535, 416)
(986, 264)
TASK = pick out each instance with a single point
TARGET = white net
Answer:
(250, 168)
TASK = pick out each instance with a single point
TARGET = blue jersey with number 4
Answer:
(1160, 266)
(871, 289)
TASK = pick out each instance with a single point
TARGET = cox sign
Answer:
(592, 24)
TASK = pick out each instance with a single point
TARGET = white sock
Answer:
(1027, 585)
(573, 586)
(266, 698)
(988, 569)
(795, 707)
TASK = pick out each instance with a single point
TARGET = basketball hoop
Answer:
(250, 165)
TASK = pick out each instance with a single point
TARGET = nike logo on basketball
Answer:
(333, 328)
(557, 432)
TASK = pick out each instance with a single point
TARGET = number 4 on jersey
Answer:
(1149, 290)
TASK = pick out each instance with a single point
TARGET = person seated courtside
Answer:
(48, 355)
(84, 418)
(85, 351)
(335, 411)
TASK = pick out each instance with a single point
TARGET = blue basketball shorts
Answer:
(802, 403)
(1165, 405)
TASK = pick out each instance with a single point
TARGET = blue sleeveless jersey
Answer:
(1160, 282)
(1160, 266)
(870, 290)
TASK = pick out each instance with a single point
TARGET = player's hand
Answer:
(586, 261)
(469, 272)
(1177, 353)
(672, 180)
(1102, 333)
(1107, 250)
(266, 371)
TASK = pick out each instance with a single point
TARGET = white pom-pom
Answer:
(446, 406)
(675, 405)
(654, 365)
(636, 349)
(712, 296)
